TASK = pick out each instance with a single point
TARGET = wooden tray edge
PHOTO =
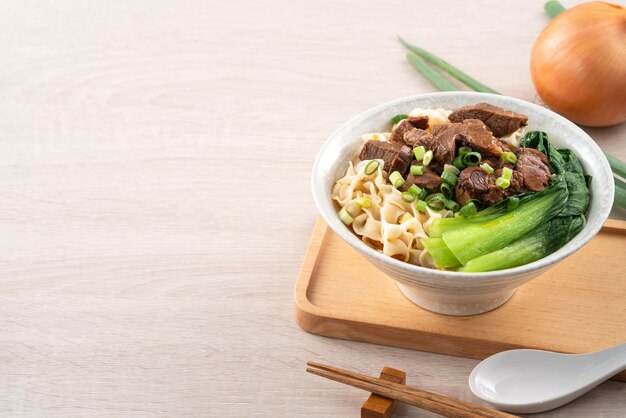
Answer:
(315, 320)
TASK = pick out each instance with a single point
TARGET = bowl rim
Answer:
(419, 272)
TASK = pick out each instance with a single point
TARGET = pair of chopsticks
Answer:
(433, 402)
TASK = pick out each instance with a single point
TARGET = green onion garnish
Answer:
(436, 201)
(507, 173)
(449, 178)
(428, 157)
(447, 189)
(458, 162)
(420, 205)
(398, 118)
(345, 217)
(513, 203)
(464, 150)
(405, 217)
(509, 157)
(422, 194)
(417, 170)
(452, 205)
(419, 152)
(487, 168)
(364, 202)
(371, 167)
(468, 210)
(451, 169)
(414, 190)
(408, 197)
(471, 158)
(396, 179)
(502, 182)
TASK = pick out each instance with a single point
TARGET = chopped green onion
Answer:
(420, 205)
(472, 158)
(419, 152)
(452, 205)
(447, 190)
(464, 150)
(398, 118)
(458, 162)
(422, 194)
(509, 157)
(513, 203)
(507, 173)
(469, 209)
(345, 217)
(414, 190)
(449, 178)
(451, 169)
(396, 179)
(408, 197)
(487, 168)
(428, 157)
(405, 217)
(371, 167)
(502, 182)
(364, 202)
(417, 170)
(436, 201)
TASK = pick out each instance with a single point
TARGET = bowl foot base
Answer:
(457, 305)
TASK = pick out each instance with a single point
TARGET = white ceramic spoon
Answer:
(528, 381)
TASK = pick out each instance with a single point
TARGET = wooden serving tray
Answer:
(578, 306)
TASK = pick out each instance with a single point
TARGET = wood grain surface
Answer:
(155, 210)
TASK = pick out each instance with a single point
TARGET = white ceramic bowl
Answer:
(455, 293)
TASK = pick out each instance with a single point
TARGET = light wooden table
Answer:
(154, 174)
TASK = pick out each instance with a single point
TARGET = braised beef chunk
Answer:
(430, 181)
(397, 157)
(475, 135)
(500, 121)
(476, 183)
(406, 125)
(443, 145)
(419, 122)
(397, 135)
(533, 165)
(413, 137)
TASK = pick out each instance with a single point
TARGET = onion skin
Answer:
(578, 64)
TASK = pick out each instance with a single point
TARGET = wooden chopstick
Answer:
(430, 401)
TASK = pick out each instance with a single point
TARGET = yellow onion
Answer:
(578, 64)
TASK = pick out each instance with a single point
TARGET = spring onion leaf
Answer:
(449, 178)
(449, 68)
(408, 197)
(447, 190)
(471, 158)
(451, 169)
(464, 150)
(433, 76)
(420, 205)
(345, 217)
(417, 170)
(507, 173)
(396, 179)
(371, 167)
(508, 156)
(553, 8)
(363, 202)
(428, 157)
(487, 168)
(458, 162)
(436, 201)
(452, 205)
(414, 190)
(503, 182)
(398, 118)
(419, 152)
